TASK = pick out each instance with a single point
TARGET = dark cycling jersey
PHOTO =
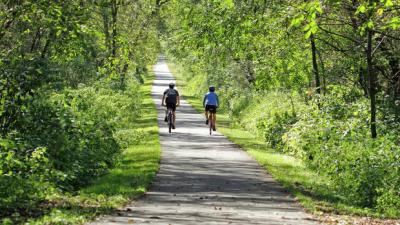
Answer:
(170, 95)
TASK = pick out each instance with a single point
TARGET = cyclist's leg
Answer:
(173, 108)
(214, 112)
(213, 116)
(168, 111)
(206, 113)
(212, 120)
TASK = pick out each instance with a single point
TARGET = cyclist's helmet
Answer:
(211, 88)
(171, 85)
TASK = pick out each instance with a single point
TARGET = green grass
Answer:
(130, 178)
(312, 190)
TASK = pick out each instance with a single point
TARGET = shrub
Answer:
(64, 141)
(79, 142)
(24, 176)
(388, 202)
(334, 140)
(270, 116)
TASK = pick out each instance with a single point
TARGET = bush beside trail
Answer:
(65, 141)
(333, 140)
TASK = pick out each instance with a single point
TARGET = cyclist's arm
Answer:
(204, 101)
(217, 100)
(163, 100)
(178, 100)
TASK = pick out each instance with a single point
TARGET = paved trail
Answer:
(206, 179)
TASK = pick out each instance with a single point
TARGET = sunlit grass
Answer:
(128, 180)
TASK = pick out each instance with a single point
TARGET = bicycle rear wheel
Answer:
(210, 123)
(169, 121)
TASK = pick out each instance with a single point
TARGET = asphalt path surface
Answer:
(206, 179)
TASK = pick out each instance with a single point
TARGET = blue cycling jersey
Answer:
(210, 99)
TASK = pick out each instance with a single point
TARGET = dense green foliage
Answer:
(70, 74)
(318, 80)
(129, 179)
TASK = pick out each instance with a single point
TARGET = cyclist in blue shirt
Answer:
(210, 104)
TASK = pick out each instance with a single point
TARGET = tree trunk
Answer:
(47, 44)
(372, 83)
(114, 14)
(315, 65)
(250, 74)
(123, 75)
(372, 76)
(106, 28)
(362, 80)
(322, 72)
(36, 39)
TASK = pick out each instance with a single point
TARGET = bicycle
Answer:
(210, 104)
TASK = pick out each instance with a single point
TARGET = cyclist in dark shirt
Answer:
(171, 100)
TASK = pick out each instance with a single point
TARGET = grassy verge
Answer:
(130, 179)
(311, 189)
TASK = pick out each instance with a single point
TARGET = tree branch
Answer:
(340, 35)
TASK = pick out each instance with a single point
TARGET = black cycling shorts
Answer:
(211, 108)
(172, 106)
